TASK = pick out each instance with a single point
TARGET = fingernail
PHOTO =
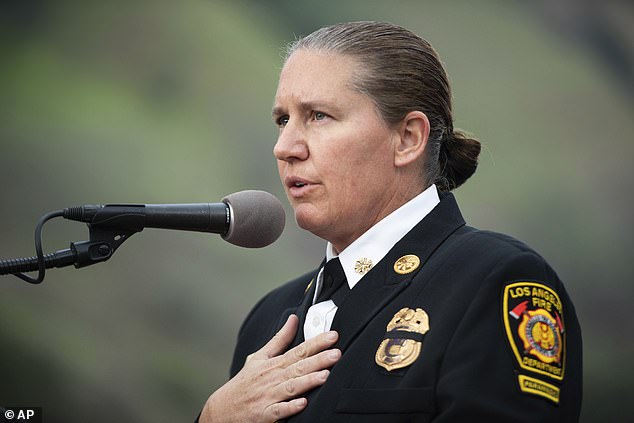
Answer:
(331, 335)
(324, 375)
(334, 354)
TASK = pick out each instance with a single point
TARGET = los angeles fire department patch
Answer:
(533, 319)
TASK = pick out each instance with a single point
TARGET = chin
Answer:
(304, 221)
(309, 220)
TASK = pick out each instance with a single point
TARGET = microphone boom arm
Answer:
(104, 241)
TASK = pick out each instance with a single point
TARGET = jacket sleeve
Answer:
(491, 372)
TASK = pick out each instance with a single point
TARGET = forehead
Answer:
(312, 75)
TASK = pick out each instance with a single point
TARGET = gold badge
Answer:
(403, 340)
(406, 264)
(533, 320)
(363, 265)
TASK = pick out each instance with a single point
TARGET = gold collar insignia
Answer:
(406, 264)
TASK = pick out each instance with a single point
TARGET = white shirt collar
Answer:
(377, 241)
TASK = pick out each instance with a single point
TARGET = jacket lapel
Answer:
(382, 283)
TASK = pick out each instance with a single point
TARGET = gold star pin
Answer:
(363, 265)
(406, 264)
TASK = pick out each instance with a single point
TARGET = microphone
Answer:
(251, 219)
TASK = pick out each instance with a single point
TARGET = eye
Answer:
(319, 115)
(282, 121)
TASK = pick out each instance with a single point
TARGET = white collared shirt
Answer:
(370, 247)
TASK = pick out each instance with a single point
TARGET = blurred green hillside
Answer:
(166, 102)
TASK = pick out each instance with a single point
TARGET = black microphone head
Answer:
(257, 218)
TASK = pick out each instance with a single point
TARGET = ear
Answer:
(412, 138)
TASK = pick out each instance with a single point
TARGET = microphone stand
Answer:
(104, 241)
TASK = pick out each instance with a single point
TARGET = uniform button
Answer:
(316, 321)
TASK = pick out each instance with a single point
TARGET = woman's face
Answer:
(335, 155)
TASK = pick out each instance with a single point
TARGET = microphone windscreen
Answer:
(257, 218)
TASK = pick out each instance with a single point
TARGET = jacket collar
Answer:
(382, 283)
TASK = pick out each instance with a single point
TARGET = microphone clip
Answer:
(103, 242)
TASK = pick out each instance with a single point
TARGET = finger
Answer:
(315, 363)
(282, 410)
(291, 388)
(280, 340)
(310, 347)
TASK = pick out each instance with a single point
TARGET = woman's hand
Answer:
(270, 385)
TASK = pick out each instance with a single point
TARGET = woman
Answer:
(414, 316)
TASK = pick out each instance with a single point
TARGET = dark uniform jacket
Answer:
(501, 341)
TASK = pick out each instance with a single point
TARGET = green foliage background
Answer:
(165, 102)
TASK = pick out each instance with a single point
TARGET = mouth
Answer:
(297, 186)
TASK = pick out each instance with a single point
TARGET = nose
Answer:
(291, 144)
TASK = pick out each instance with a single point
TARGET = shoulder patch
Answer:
(533, 322)
(538, 387)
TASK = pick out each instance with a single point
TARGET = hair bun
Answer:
(458, 160)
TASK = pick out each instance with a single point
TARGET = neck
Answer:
(395, 202)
